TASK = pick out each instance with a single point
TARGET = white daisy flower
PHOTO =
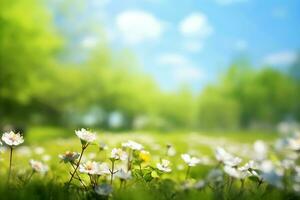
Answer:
(200, 185)
(248, 166)
(222, 155)
(85, 135)
(89, 167)
(235, 173)
(123, 175)
(38, 166)
(215, 175)
(288, 164)
(294, 144)
(12, 139)
(226, 158)
(69, 156)
(118, 154)
(164, 166)
(190, 161)
(94, 168)
(233, 162)
(132, 145)
(103, 190)
(260, 150)
(273, 178)
(103, 169)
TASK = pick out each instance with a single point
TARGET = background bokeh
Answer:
(149, 64)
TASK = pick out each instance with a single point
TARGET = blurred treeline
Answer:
(39, 85)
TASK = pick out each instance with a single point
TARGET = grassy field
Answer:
(45, 144)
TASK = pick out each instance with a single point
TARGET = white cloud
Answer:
(138, 26)
(195, 28)
(188, 74)
(181, 68)
(229, 2)
(172, 60)
(195, 25)
(193, 46)
(281, 58)
(241, 45)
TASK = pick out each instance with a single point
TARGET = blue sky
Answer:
(193, 41)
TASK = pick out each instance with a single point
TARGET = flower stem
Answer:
(129, 160)
(187, 172)
(121, 183)
(10, 164)
(230, 184)
(29, 177)
(112, 171)
(77, 165)
(80, 180)
(242, 187)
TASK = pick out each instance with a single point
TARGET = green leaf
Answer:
(154, 174)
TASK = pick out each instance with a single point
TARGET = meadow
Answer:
(203, 176)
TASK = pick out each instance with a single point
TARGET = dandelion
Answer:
(144, 156)
(69, 157)
(164, 166)
(38, 167)
(12, 140)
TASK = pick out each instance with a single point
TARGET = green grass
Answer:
(54, 141)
